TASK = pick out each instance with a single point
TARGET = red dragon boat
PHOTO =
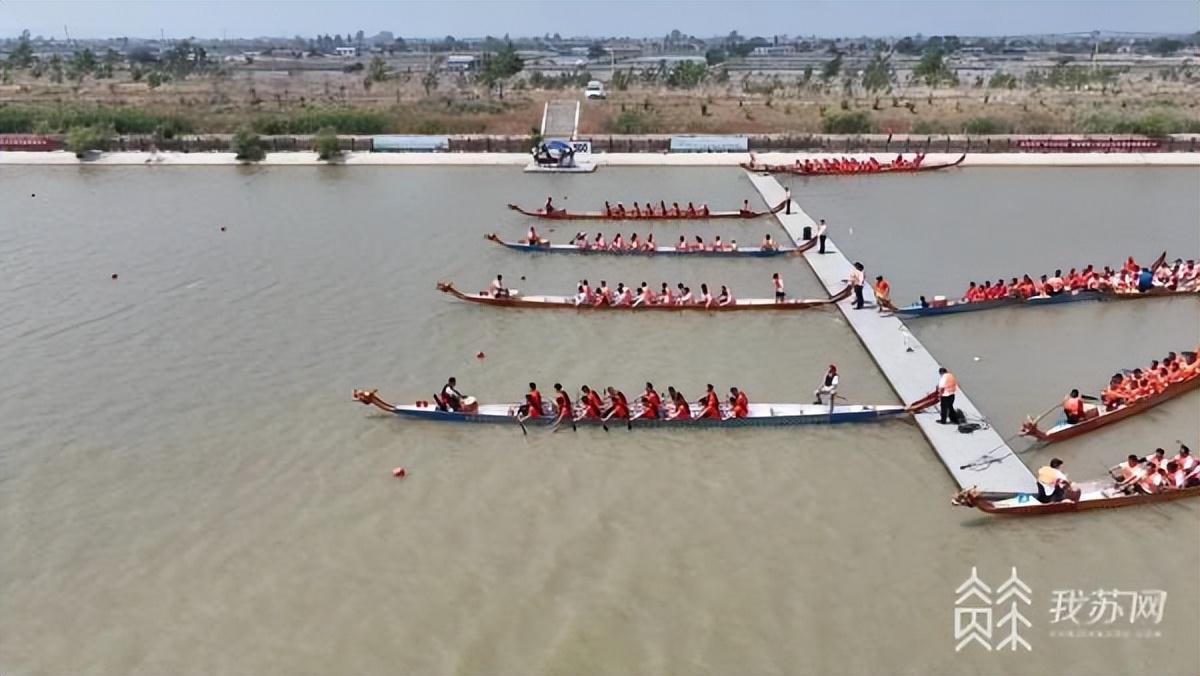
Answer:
(516, 300)
(654, 214)
(884, 168)
(1095, 416)
(1095, 495)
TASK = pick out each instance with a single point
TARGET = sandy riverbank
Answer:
(602, 159)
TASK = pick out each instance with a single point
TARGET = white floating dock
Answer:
(911, 374)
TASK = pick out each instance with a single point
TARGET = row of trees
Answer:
(179, 62)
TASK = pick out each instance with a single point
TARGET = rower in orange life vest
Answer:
(710, 404)
(828, 386)
(1053, 484)
(681, 409)
(739, 405)
(534, 399)
(651, 403)
(1073, 407)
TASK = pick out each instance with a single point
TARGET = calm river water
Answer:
(187, 487)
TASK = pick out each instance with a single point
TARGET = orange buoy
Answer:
(114, 275)
(478, 355)
(399, 472)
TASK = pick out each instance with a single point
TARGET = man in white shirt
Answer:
(856, 280)
(828, 386)
(821, 228)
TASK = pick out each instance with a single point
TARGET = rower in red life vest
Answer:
(591, 403)
(1073, 407)
(618, 406)
(534, 398)
(1131, 267)
(682, 411)
(651, 403)
(725, 297)
(1000, 290)
(739, 405)
(710, 404)
(562, 403)
(972, 293)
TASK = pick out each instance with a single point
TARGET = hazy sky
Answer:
(476, 18)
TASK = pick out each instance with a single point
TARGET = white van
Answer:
(594, 90)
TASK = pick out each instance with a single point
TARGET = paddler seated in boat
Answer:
(451, 397)
(675, 209)
(651, 402)
(583, 295)
(746, 210)
(1026, 288)
(1074, 409)
(635, 244)
(1145, 280)
(972, 293)
(645, 296)
(710, 404)
(1113, 396)
(598, 243)
(636, 211)
(829, 385)
(603, 294)
(923, 302)
(732, 245)
(665, 297)
(663, 206)
(767, 243)
(581, 240)
(562, 403)
(618, 243)
(607, 209)
(725, 297)
(704, 210)
(681, 409)
(739, 405)
(1132, 473)
(1053, 484)
(620, 213)
(697, 245)
(682, 245)
(590, 404)
(528, 410)
(705, 298)
(1187, 462)
(624, 295)
(691, 210)
(533, 238)
(649, 244)
(498, 289)
(1127, 470)
(1055, 284)
(717, 244)
(1000, 290)
(549, 208)
(618, 406)
(535, 398)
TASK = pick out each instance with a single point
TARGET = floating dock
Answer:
(991, 463)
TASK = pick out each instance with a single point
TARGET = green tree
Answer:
(932, 68)
(686, 74)
(81, 65)
(247, 146)
(22, 54)
(108, 64)
(56, 68)
(831, 69)
(714, 56)
(326, 144)
(1164, 46)
(847, 123)
(620, 80)
(429, 81)
(83, 139)
(378, 71)
(1002, 80)
(499, 66)
(878, 74)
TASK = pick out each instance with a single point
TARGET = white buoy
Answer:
(978, 358)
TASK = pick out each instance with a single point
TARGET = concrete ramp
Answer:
(560, 119)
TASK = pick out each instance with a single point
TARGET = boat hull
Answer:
(956, 307)
(1064, 431)
(761, 415)
(564, 215)
(750, 252)
(1024, 504)
(883, 169)
(565, 303)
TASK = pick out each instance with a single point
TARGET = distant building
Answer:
(461, 62)
(774, 50)
(346, 51)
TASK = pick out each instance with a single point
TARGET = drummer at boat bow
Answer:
(1053, 484)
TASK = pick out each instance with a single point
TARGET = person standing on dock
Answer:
(947, 387)
(856, 280)
(821, 228)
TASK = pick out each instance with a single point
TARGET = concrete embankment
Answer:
(1187, 159)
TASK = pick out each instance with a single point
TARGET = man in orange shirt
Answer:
(947, 387)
